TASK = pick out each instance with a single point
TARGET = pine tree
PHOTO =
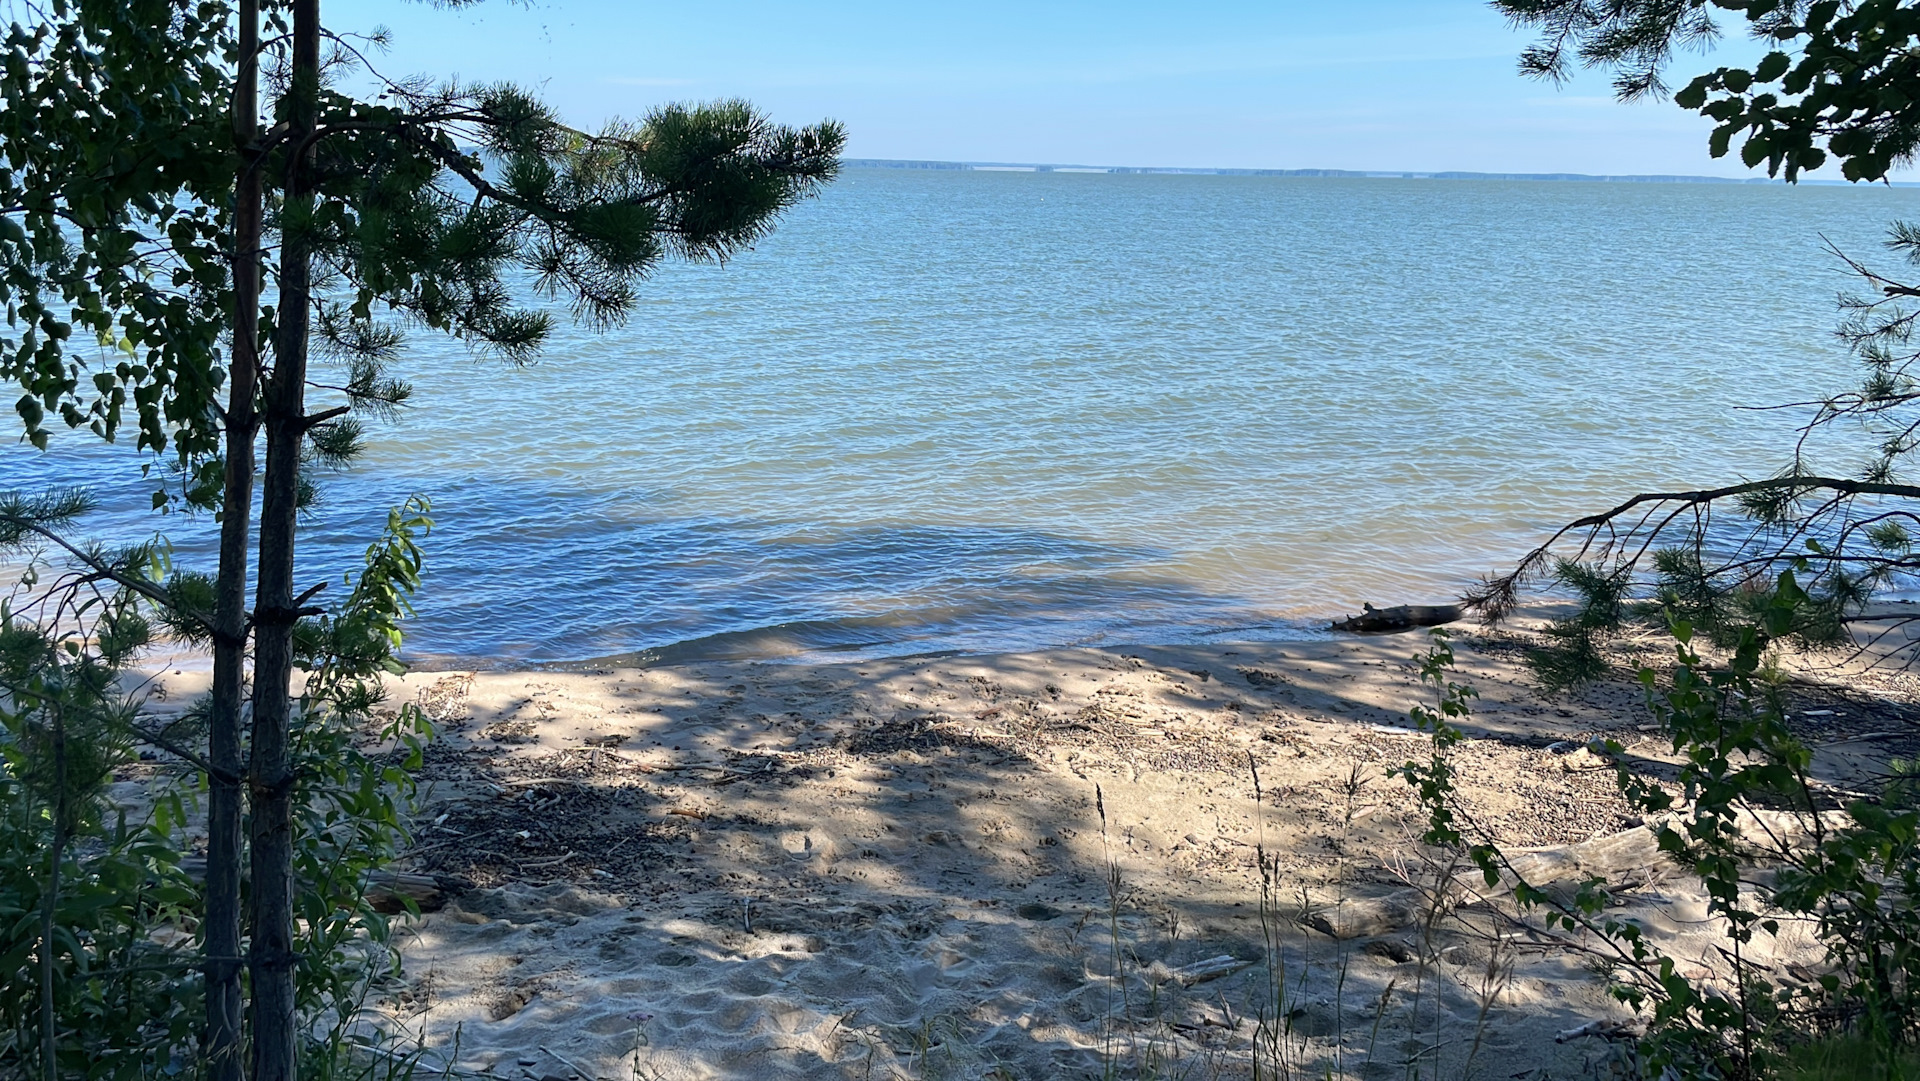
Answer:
(1837, 78)
(142, 183)
(1834, 85)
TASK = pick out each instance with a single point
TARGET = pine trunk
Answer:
(271, 959)
(224, 852)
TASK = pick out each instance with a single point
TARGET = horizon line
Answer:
(1348, 174)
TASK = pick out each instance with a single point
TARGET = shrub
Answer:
(1745, 819)
(100, 977)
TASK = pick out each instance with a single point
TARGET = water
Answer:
(985, 411)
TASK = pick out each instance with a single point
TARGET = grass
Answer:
(1848, 1058)
(1140, 1037)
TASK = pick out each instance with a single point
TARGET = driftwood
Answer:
(1606, 1030)
(1626, 860)
(1619, 860)
(1364, 917)
(1404, 617)
(1633, 857)
(388, 890)
(428, 892)
(1201, 971)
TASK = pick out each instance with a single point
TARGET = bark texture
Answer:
(224, 850)
(1403, 617)
(271, 958)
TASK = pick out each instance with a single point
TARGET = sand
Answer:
(998, 866)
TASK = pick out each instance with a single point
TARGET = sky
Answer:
(1415, 85)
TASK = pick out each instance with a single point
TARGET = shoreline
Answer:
(776, 644)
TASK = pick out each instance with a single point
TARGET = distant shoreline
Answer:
(1342, 174)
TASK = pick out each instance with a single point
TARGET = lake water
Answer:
(988, 411)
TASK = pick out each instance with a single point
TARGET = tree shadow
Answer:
(927, 867)
(520, 571)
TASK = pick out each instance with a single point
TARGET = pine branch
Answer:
(1496, 597)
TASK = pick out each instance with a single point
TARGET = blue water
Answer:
(984, 411)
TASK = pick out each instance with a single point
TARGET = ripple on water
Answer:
(982, 411)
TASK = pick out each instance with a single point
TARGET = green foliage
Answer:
(125, 1001)
(351, 817)
(113, 895)
(115, 161)
(133, 167)
(1837, 79)
(1572, 654)
(1719, 605)
(1851, 876)
(346, 651)
(93, 979)
(1434, 779)
(408, 223)
(23, 516)
(117, 167)
(1878, 329)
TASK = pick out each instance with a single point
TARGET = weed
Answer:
(1852, 876)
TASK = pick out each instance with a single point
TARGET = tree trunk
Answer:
(50, 901)
(222, 930)
(271, 959)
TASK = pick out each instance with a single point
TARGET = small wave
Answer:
(780, 641)
(910, 634)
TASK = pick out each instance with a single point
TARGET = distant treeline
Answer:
(998, 166)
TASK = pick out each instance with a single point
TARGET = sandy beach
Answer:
(1027, 865)
(790, 542)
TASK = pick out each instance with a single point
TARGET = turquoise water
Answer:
(983, 411)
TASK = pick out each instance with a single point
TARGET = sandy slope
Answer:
(902, 868)
(995, 866)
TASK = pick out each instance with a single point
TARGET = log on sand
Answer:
(388, 890)
(428, 892)
(1404, 617)
(1620, 860)
(1365, 917)
(1632, 858)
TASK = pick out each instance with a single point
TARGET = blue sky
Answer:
(1337, 84)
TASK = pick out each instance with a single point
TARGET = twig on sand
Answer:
(568, 1063)
(1604, 1029)
(448, 1069)
(1201, 971)
(455, 839)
